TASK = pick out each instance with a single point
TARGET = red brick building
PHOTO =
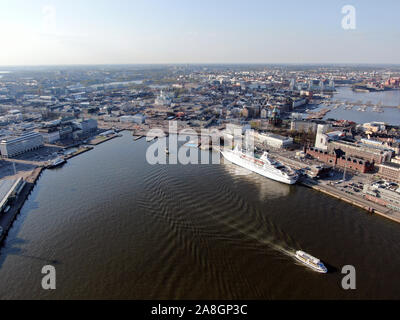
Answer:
(339, 159)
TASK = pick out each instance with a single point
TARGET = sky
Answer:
(61, 32)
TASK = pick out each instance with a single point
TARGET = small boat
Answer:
(167, 151)
(57, 162)
(311, 262)
(7, 209)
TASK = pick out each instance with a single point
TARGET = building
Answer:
(263, 114)
(390, 171)
(50, 135)
(235, 129)
(66, 132)
(339, 159)
(13, 146)
(273, 140)
(88, 126)
(138, 119)
(303, 126)
(383, 193)
(9, 189)
(371, 153)
(324, 137)
(163, 100)
(374, 127)
(274, 117)
(299, 103)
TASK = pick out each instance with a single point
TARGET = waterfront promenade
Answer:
(322, 186)
(358, 201)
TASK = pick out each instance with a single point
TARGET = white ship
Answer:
(57, 162)
(263, 166)
(311, 262)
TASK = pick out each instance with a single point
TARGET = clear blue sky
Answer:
(196, 31)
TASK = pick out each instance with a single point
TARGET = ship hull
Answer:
(230, 156)
(59, 164)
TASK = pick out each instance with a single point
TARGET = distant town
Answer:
(48, 115)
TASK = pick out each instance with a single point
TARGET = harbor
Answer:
(370, 207)
(359, 107)
(14, 200)
(328, 188)
(210, 214)
(18, 200)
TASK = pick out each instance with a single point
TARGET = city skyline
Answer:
(177, 32)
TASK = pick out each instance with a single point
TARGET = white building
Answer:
(87, 126)
(137, 118)
(163, 100)
(11, 147)
(296, 116)
(323, 136)
(263, 114)
(321, 141)
(50, 135)
(274, 140)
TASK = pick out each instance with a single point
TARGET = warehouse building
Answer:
(14, 146)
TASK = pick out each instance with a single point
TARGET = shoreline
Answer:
(370, 207)
(97, 141)
(7, 219)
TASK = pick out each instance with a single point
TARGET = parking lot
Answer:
(7, 170)
(42, 154)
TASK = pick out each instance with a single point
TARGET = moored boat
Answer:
(264, 166)
(57, 162)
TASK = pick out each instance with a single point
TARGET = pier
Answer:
(8, 218)
(358, 201)
(369, 206)
(358, 104)
(78, 152)
(101, 139)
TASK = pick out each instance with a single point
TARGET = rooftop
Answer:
(391, 164)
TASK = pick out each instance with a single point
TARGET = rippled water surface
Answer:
(117, 227)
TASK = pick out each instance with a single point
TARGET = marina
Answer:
(360, 107)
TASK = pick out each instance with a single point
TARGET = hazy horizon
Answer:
(157, 32)
(322, 64)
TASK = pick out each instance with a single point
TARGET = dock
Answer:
(358, 201)
(78, 152)
(102, 139)
(369, 206)
(7, 219)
